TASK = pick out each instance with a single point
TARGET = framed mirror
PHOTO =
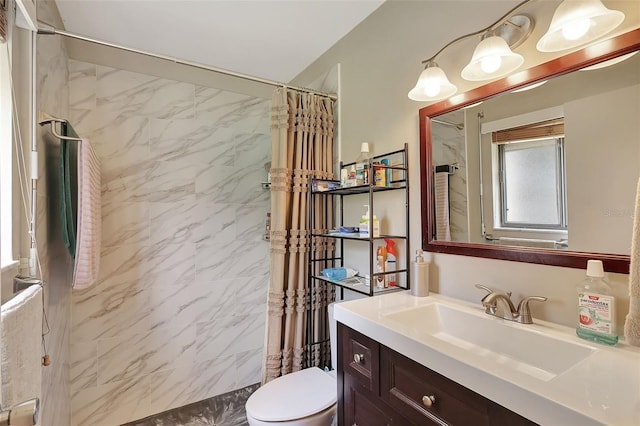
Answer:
(546, 175)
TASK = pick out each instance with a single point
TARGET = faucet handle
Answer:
(489, 290)
(485, 288)
(524, 313)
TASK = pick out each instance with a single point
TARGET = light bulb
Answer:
(490, 64)
(575, 30)
(432, 85)
(431, 89)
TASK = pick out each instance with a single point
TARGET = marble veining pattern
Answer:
(177, 315)
(123, 93)
(198, 141)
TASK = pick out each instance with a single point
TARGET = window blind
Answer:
(544, 129)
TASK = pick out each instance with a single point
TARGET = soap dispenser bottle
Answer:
(596, 307)
(420, 276)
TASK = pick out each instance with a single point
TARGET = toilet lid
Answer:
(293, 396)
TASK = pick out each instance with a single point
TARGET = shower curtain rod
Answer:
(459, 126)
(47, 29)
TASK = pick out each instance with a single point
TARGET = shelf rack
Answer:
(398, 183)
(320, 286)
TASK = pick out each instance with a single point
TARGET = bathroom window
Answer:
(6, 156)
(531, 178)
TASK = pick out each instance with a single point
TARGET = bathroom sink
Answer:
(478, 336)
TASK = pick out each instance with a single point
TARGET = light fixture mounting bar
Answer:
(493, 26)
(515, 30)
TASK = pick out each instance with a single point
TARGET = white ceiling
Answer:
(272, 39)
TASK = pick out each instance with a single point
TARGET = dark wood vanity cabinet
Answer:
(378, 386)
(359, 400)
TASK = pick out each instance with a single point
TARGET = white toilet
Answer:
(304, 398)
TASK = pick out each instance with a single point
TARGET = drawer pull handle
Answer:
(428, 400)
(358, 358)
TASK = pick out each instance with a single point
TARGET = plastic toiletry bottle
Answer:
(362, 165)
(387, 172)
(381, 263)
(420, 276)
(596, 307)
(366, 230)
(391, 280)
(376, 227)
(352, 177)
(364, 224)
(379, 175)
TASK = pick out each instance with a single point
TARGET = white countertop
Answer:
(603, 388)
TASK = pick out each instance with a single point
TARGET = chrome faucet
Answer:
(500, 305)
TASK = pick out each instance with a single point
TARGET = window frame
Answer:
(561, 201)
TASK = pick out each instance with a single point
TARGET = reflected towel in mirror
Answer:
(443, 230)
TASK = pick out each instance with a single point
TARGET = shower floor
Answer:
(222, 410)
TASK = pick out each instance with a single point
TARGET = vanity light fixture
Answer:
(574, 23)
(577, 22)
(432, 85)
(492, 58)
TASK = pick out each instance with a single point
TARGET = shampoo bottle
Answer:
(420, 276)
(596, 307)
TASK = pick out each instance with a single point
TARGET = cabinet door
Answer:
(360, 357)
(360, 407)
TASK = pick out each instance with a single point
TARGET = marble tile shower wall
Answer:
(178, 313)
(52, 94)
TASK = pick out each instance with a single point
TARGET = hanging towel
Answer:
(443, 232)
(67, 214)
(21, 359)
(89, 235)
(632, 322)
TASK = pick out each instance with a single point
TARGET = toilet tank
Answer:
(333, 337)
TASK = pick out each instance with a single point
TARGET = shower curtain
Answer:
(301, 150)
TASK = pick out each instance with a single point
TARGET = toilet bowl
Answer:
(305, 398)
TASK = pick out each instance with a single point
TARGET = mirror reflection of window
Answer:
(531, 180)
(528, 182)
